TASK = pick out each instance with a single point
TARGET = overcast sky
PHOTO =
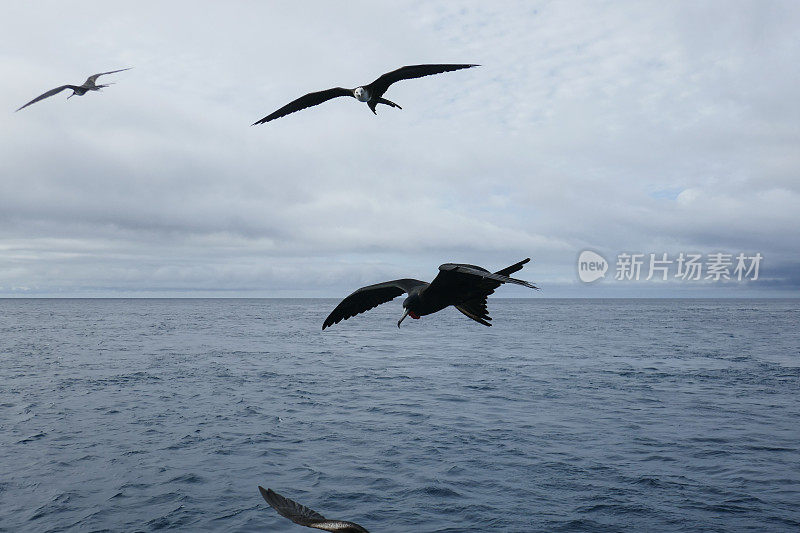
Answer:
(649, 127)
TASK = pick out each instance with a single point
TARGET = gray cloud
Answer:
(601, 125)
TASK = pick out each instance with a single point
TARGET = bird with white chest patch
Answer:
(371, 93)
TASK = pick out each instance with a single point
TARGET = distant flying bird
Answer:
(464, 286)
(80, 90)
(300, 514)
(371, 94)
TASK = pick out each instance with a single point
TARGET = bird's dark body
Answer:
(466, 287)
(371, 93)
(447, 292)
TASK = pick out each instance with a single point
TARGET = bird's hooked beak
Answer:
(405, 314)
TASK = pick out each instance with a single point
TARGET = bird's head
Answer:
(409, 304)
(361, 94)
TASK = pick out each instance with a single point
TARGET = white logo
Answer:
(591, 266)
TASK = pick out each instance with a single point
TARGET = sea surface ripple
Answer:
(567, 415)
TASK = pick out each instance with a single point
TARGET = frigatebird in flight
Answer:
(372, 93)
(464, 286)
(80, 90)
(300, 514)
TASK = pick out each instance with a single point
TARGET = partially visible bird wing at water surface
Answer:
(49, 93)
(368, 297)
(308, 100)
(299, 514)
(93, 78)
(302, 515)
(379, 86)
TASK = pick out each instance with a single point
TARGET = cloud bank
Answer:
(610, 126)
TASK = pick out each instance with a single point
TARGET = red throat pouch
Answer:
(413, 315)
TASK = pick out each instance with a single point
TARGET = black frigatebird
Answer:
(300, 514)
(372, 94)
(79, 90)
(464, 286)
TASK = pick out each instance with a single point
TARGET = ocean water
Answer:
(567, 415)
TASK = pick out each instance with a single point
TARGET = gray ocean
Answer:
(567, 415)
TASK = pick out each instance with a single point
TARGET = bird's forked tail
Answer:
(506, 272)
(374, 102)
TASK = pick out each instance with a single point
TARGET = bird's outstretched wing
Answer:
(299, 514)
(93, 78)
(475, 284)
(48, 94)
(368, 297)
(379, 86)
(308, 100)
(454, 273)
